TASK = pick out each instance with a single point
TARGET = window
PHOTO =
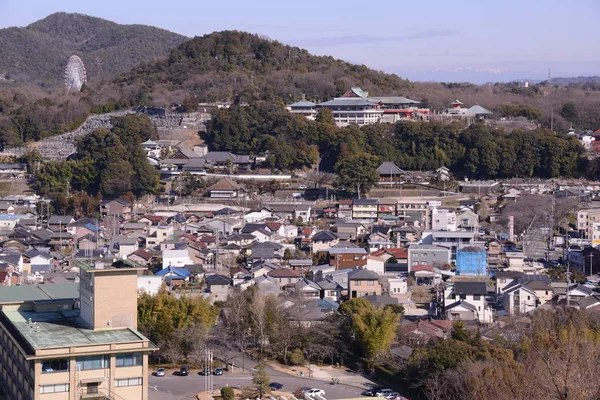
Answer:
(129, 359)
(357, 283)
(528, 297)
(58, 365)
(58, 388)
(356, 258)
(463, 296)
(370, 283)
(476, 297)
(129, 382)
(93, 362)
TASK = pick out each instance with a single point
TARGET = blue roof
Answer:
(11, 217)
(178, 273)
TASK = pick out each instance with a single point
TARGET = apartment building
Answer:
(585, 222)
(364, 209)
(74, 341)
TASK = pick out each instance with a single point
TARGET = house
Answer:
(330, 290)
(218, 287)
(174, 276)
(303, 212)
(175, 258)
(364, 209)
(226, 188)
(122, 246)
(378, 241)
(347, 257)
(323, 240)
(141, 257)
(349, 230)
(519, 299)
(362, 282)
(307, 289)
(284, 276)
(117, 207)
(308, 311)
(6, 208)
(465, 300)
(467, 220)
(450, 240)
(60, 222)
(150, 284)
(506, 279)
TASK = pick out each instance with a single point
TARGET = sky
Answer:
(466, 40)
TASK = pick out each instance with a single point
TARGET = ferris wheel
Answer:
(75, 75)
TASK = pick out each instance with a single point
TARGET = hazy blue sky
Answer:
(416, 39)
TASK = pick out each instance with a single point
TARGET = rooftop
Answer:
(32, 293)
(65, 329)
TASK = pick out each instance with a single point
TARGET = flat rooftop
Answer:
(63, 329)
(35, 293)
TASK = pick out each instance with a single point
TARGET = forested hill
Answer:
(38, 53)
(232, 65)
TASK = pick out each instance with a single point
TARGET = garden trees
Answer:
(261, 381)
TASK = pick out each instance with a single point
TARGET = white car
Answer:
(384, 393)
(313, 392)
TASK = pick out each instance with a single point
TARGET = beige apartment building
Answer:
(73, 341)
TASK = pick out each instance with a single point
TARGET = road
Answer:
(175, 387)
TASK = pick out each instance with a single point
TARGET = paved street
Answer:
(172, 386)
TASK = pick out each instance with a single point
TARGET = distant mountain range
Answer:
(39, 52)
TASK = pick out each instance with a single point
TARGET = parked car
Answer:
(205, 371)
(371, 392)
(302, 187)
(312, 392)
(393, 396)
(218, 371)
(184, 370)
(384, 393)
(160, 372)
(275, 386)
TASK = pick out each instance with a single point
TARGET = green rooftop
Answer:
(47, 292)
(43, 330)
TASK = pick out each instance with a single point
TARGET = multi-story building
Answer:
(353, 111)
(443, 219)
(74, 341)
(413, 210)
(364, 209)
(466, 301)
(585, 221)
(435, 256)
(471, 260)
(305, 108)
(451, 240)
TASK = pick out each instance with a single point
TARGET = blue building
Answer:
(471, 260)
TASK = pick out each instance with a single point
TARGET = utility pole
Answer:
(568, 274)
(591, 263)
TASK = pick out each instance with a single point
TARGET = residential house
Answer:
(307, 289)
(347, 257)
(330, 290)
(519, 299)
(323, 240)
(451, 240)
(226, 188)
(349, 230)
(141, 257)
(466, 301)
(285, 277)
(6, 208)
(467, 220)
(378, 241)
(117, 207)
(218, 287)
(176, 258)
(362, 282)
(303, 212)
(60, 222)
(150, 284)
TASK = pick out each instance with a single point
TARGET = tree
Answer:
(261, 381)
(569, 112)
(227, 393)
(325, 116)
(375, 332)
(297, 357)
(190, 103)
(357, 172)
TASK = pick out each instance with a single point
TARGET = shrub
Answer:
(227, 393)
(296, 357)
